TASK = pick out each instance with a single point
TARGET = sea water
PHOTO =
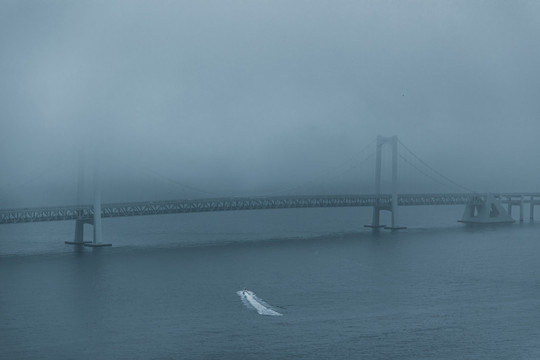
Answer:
(171, 288)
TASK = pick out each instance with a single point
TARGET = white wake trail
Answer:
(253, 302)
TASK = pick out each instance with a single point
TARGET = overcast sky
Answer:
(243, 97)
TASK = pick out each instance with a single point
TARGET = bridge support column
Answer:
(531, 211)
(521, 206)
(489, 211)
(96, 241)
(395, 208)
(375, 220)
(79, 224)
(375, 223)
(79, 233)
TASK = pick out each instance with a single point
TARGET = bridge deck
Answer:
(86, 212)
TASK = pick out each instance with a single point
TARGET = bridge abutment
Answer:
(488, 211)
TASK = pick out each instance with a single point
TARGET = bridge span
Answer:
(480, 208)
(86, 212)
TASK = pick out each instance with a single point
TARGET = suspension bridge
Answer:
(480, 208)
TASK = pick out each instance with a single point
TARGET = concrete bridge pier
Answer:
(531, 210)
(376, 218)
(521, 206)
(79, 233)
(519, 200)
(488, 210)
(533, 200)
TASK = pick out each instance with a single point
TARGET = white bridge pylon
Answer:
(393, 208)
(97, 211)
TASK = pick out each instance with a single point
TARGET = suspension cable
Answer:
(432, 169)
(423, 172)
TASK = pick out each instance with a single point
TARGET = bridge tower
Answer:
(96, 220)
(393, 208)
(79, 224)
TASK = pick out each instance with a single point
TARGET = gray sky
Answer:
(244, 97)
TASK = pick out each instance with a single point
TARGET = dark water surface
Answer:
(168, 289)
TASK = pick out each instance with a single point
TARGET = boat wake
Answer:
(251, 301)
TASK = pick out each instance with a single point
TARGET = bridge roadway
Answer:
(86, 212)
